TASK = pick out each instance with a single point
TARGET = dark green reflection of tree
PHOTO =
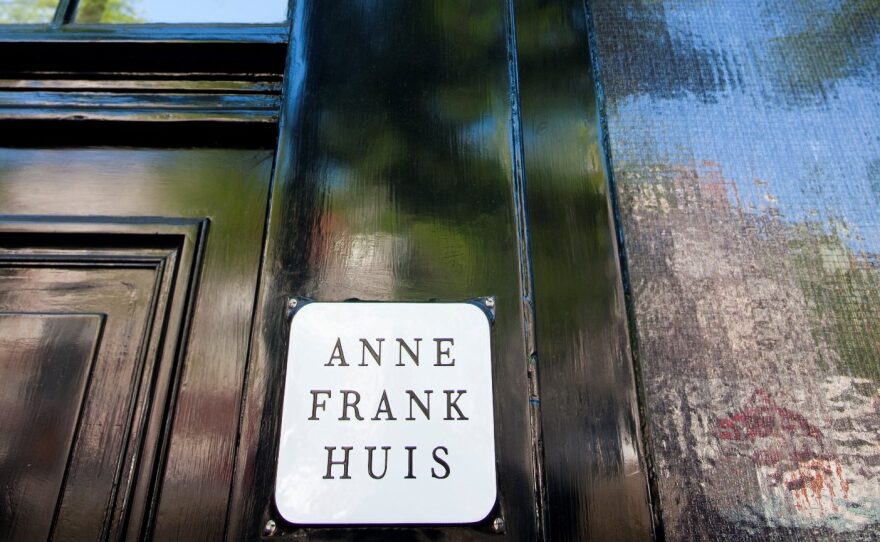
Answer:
(841, 288)
(405, 148)
(27, 11)
(107, 12)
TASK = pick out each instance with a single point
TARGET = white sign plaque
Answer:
(387, 415)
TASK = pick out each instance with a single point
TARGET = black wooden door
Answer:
(152, 230)
(446, 150)
(126, 284)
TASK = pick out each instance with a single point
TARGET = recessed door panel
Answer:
(81, 321)
(45, 360)
(163, 245)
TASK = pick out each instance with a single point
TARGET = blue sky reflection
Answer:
(209, 11)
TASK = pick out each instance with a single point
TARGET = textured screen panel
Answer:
(745, 142)
(45, 360)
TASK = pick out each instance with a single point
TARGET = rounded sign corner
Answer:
(283, 514)
(302, 306)
(488, 505)
(478, 308)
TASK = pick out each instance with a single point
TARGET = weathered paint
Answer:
(745, 150)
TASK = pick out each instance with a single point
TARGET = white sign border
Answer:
(486, 304)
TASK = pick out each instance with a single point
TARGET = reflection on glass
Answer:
(27, 11)
(176, 11)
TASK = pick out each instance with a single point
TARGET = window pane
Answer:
(181, 11)
(27, 11)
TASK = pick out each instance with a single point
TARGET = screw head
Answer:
(291, 303)
(498, 525)
(270, 528)
(490, 302)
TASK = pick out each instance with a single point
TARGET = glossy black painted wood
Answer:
(227, 86)
(155, 79)
(595, 473)
(45, 361)
(394, 181)
(130, 277)
(64, 13)
(224, 101)
(138, 107)
(116, 204)
(181, 59)
(63, 134)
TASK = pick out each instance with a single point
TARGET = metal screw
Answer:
(271, 527)
(490, 302)
(291, 303)
(498, 525)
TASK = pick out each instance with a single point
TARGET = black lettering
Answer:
(441, 353)
(344, 462)
(370, 450)
(443, 463)
(377, 356)
(412, 355)
(450, 404)
(315, 404)
(409, 454)
(384, 407)
(337, 354)
(353, 404)
(424, 407)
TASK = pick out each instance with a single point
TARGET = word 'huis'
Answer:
(350, 407)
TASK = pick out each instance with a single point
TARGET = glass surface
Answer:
(27, 11)
(175, 11)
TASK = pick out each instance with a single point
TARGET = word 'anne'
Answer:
(411, 350)
(343, 463)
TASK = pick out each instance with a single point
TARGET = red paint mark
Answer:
(780, 438)
(762, 417)
(844, 485)
(774, 456)
(811, 480)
